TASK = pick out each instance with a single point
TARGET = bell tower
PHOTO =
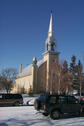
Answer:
(50, 54)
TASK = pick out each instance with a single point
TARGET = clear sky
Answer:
(24, 28)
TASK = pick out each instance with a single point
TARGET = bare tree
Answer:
(1, 87)
(55, 77)
(60, 78)
(9, 74)
(54, 80)
(7, 79)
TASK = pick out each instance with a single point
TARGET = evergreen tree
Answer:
(76, 71)
(73, 67)
(80, 68)
(73, 71)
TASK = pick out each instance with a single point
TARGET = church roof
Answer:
(40, 63)
(28, 70)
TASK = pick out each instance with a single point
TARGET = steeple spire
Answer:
(50, 32)
(51, 41)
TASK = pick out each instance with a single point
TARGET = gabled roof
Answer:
(28, 70)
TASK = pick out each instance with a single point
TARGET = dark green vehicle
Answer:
(55, 105)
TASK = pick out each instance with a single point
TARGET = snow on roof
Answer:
(28, 70)
(41, 62)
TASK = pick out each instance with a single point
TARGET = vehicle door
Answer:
(73, 104)
(63, 102)
(7, 99)
(53, 102)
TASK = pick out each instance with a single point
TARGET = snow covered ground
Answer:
(27, 98)
(28, 116)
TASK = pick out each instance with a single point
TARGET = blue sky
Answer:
(24, 28)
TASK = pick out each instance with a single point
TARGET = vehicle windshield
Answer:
(43, 97)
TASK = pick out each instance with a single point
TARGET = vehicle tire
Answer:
(55, 114)
(37, 104)
(82, 112)
(45, 114)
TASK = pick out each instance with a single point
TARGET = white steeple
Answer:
(51, 41)
(50, 32)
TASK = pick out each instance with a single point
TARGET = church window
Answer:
(24, 83)
(53, 60)
(52, 47)
(28, 84)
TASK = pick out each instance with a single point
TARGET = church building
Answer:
(36, 77)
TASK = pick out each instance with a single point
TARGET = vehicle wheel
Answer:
(37, 104)
(82, 112)
(45, 114)
(55, 114)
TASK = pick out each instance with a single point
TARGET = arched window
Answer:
(52, 47)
